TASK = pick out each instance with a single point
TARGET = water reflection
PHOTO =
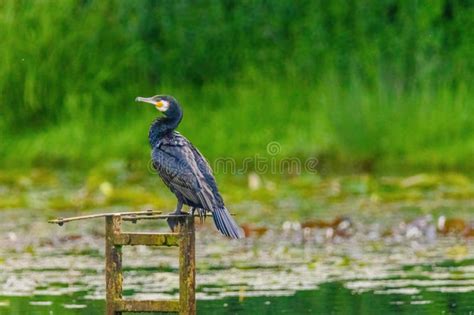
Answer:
(329, 298)
(353, 246)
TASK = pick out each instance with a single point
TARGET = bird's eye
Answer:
(162, 105)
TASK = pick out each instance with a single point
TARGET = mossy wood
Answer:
(115, 239)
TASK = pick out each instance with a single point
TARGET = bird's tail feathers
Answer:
(226, 224)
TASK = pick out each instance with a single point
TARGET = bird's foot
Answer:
(174, 221)
(202, 215)
(201, 212)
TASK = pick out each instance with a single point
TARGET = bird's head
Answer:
(166, 104)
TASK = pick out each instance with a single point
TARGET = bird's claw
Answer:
(202, 215)
(174, 222)
(201, 212)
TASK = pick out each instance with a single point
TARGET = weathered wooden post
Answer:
(115, 239)
(113, 263)
(187, 270)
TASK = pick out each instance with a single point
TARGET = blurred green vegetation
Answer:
(371, 83)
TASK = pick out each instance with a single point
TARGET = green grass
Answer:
(369, 86)
(339, 126)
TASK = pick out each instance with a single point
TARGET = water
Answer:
(379, 250)
(329, 298)
(287, 270)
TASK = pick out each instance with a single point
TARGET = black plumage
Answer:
(183, 168)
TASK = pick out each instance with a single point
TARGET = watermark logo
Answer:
(273, 148)
(270, 163)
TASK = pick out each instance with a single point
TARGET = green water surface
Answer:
(329, 298)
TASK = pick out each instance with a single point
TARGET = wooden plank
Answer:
(147, 306)
(148, 239)
(61, 221)
(113, 264)
(187, 269)
(135, 218)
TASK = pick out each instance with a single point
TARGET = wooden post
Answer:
(187, 269)
(113, 264)
(115, 239)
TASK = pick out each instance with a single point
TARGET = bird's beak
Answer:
(145, 100)
(151, 100)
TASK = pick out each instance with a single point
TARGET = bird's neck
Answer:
(163, 126)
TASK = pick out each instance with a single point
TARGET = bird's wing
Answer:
(175, 162)
(206, 170)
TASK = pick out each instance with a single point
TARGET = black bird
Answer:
(183, 168)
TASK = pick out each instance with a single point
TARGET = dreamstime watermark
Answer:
(269, 163)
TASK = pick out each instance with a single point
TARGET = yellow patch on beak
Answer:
(159, 104)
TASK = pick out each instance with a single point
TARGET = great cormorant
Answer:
(183, 168)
